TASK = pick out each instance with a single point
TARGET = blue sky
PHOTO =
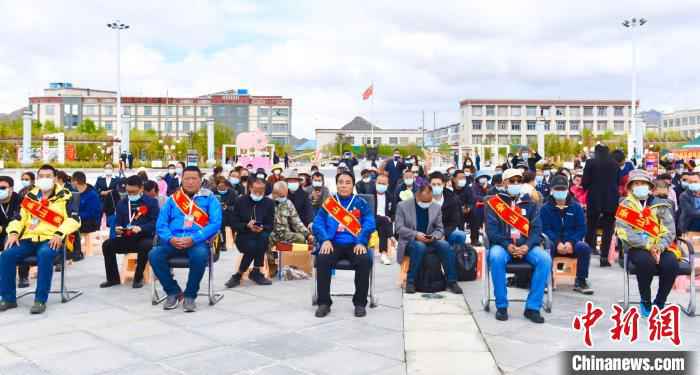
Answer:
(323, 54)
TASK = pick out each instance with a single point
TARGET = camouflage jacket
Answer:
(634, 238)
(287, 225)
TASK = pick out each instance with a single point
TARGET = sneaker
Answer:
(257, 277)
(410, 288)
(360, 311)
(234, 281)
(189, 305)
(322, 311)
(454, 287)
(4, 306)
(645, 309)
(582, 287)
(502, 314)
(172, 302)
(38, 308)
(138, 284)
(385, 259)
(108, 284)
(604, 262)
(23, 282)
(534, 316)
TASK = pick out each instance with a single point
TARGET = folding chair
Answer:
(514, 266)
(60, 259)
(182, 261)
(686, 267)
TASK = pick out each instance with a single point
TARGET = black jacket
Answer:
(263, 212)
(302, 203)
(109, 202)
(365, 187)
(601, 178)
(452, 215)
(146, 221)
(395, 172)
(8, 211)
(465, 198)
(389, 204)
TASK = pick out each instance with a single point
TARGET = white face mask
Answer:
(45, 184)
(317, 184)
(424, 204)
(25, 183)
(408, 181)
(108, 172)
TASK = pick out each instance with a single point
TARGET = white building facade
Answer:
(687, 122)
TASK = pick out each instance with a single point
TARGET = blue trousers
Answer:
(457, 237)
(582, 253)
(199, 258)
(498, 257)
(8, 265)
(416, 250)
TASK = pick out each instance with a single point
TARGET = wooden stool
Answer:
(91, 243)
(564, 269)
(403, 275)
(129, 269)
(230, 239)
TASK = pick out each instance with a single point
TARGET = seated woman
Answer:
(343, 227)
(649, 246)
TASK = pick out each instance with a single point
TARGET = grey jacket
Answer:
(686, 211)
(405, 224)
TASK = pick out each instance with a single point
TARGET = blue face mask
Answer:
(381, 188)
(641, 191)
(559, 195)
(514, 190)
(234, 180)
(282, 199)
(256, 198)
(695, 186)
(684, 184)
(538, 179)
(134, 198)
(437, 190)
(293, 186)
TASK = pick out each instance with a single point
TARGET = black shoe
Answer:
(582, 287)
(172, 302)
(360, 311)
(454, 288)
(322, 311)
(604, 262)
(23, 282)
(258, 278)
(234, 281)
(38, 308)
(4, 306)
(137, 284)
(502, 314)
(534, 316)
(108, 283)
(410, 288)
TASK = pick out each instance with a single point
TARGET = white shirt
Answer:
(381, 204)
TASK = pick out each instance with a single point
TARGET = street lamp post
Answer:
(123, 131)
(636, 136)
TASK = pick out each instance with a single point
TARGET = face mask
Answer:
(365, 180)
(467, 174)
(437, 190)
(381, 188)
(171, 171)
(559, 195)
(526, 155)
(293, 186)
(178, 171)
(108, 172)
(514, 190)
(281, 199)
(538, 179)
(261, 176)
(424, 204)
(414, 168)
(222, 191)
(397, 157)
(461, 183)
(234, 180)
(695, 186)
(4, 193)
(483, 181)
(134, 198)
(25, 183)
(408, 181)
(317, 184)
(501, 189)
(684, 184)
(45, 184)
(256, 198)
(546, 173)
(641, 191)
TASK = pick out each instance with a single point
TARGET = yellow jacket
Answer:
(58, 202)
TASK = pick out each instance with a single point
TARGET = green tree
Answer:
(445, 149)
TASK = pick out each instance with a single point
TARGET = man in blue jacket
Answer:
(189, 218)
(343, 226)
(564, 222)
(518, 241)
(135, 226)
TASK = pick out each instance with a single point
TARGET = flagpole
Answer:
(371, 112)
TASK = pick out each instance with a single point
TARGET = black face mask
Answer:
(396, 157)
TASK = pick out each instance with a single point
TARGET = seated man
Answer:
(520, 241)
(9, 210)
(451, 210)
(564, 222)
(343, 227)
(651, 250)
(44, 223)
(288, 227)
(384, 213)
(318, 192)
(689, 205)
(189, 218)
(135, 227)
(299, 198)
(419, 225)
(406, 188)
(252, 220)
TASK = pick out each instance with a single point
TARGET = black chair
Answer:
(60, 260)
(685, 267)
(182, 261)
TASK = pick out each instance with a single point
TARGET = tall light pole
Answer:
(636, 136)
(122, 130)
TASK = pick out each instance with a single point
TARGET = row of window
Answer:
(560, 125)
(274, 128)
(510, 139)
(391, 140)
(531, 111)
(267, 112)
(171, 110)
(683, 121)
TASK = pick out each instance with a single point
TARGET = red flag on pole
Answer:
(368, 92)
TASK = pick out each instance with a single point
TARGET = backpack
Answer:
(430, 278)
(466, 258)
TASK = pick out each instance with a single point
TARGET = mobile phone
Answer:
(428, 237)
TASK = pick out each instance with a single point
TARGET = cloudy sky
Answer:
(420, 55)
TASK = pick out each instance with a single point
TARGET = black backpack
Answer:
(465, 262)
(430, 278)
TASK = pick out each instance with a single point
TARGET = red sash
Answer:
(342, 216)
(187, 206)
(42, 212)
(645, 222)
(509, 215)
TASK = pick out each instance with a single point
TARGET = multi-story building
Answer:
(686, 121)
(359, 132)
(450, 135)
(490, 122)
(67, 106)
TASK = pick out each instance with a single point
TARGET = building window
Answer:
(574, 111)
(263, 126)
(502, 124)
(602, 111)
(490, 110)
(126, 110)
(283, 140)
(691, 120)
(502, 111)
(147, 125)
(561, 125)
(515, 139)
(515, 125)
(619, 126)
(279, 128)
(187, 111)
(588, 111)
(532, 126)
(476, 139)
(186, 126)
(602, 126)
(263, 112)
(108, 125)
(90, 110)
(170, 110)
(49, 110)
(516, 111)
(490, 124)
(108, 110)
(531, 139)
(619, 111)
(546, 111)
(503, 140)
(477, 111)
(547, 125)
(393, 140)
(403, 140)
(588, 125)
(147, 110)
(489, 139)
(204, 111)
(281, 112)
(574, 125)
(531, 110)
(561, 111)
(684, 121)
(476, 124)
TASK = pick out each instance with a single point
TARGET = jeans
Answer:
(416, 250)
(198, 255)
(457, 237)
(646, 268)
(498, 257)
(8, 264)
(582, 253)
